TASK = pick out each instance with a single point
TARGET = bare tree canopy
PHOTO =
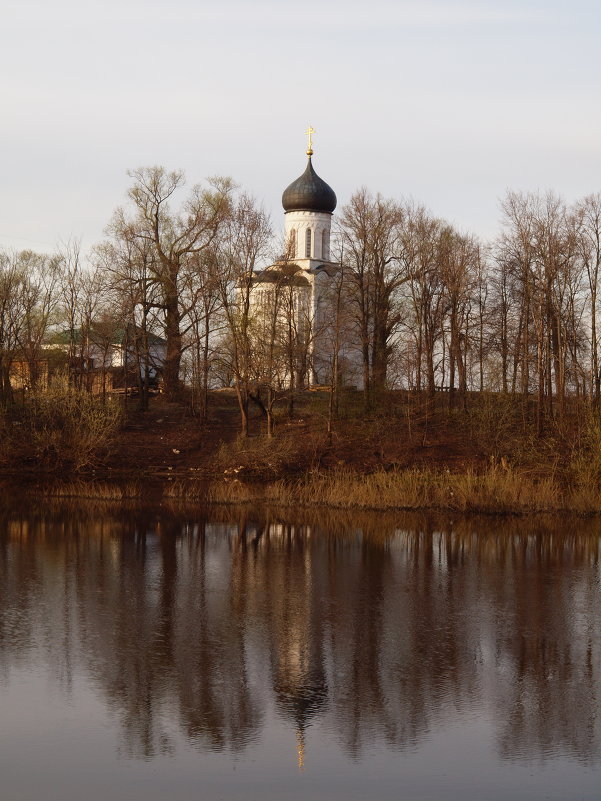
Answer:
(175, 237)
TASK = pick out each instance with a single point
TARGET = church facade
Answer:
(307, 281)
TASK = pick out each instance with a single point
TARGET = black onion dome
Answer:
(309, 193)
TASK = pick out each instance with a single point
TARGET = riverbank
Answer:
(474, 460)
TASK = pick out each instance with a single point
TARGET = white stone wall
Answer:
(318, 222)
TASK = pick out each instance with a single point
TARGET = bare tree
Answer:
(13, 281)
(426, 298)
(458, 264)
(242, 245)
(540, 249)
(39, 304)
(369, 232)
(588, 211)
(205, 323)
(177, 237)
(129, 265)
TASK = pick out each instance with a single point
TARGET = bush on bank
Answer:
(61, 427)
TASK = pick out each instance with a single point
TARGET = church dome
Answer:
(309, 193)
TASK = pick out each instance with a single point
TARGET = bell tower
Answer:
(308, 205)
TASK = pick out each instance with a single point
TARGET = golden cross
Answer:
(310, 131)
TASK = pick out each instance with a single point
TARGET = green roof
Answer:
(116, 337)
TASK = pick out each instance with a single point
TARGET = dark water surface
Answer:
(168, 656)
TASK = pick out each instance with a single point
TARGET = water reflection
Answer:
(380, 634)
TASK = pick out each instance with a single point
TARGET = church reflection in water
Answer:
(376, 631)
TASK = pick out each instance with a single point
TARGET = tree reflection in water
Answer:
(378, 629)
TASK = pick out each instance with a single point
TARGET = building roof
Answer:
(309, 193)
(284, 277)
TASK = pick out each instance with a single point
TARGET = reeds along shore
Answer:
(496, 491)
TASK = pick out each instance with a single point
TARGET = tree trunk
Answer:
(269, 412)
(242, 396)
(174, 348)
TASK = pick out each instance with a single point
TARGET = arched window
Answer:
(325, 245)
(308, 243)
(293, 243)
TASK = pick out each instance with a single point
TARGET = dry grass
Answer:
(93, 490)
(493, 492)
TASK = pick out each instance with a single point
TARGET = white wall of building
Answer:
(319, 223)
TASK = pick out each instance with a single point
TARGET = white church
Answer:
(309, 203)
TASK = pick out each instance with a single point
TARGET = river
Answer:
(173, 654)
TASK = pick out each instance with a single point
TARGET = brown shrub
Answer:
(62, 426)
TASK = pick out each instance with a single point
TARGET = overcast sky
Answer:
(448, 102)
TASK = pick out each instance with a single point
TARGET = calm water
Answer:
(163, 656)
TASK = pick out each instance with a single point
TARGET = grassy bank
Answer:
(496, 491)
(480, 459)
